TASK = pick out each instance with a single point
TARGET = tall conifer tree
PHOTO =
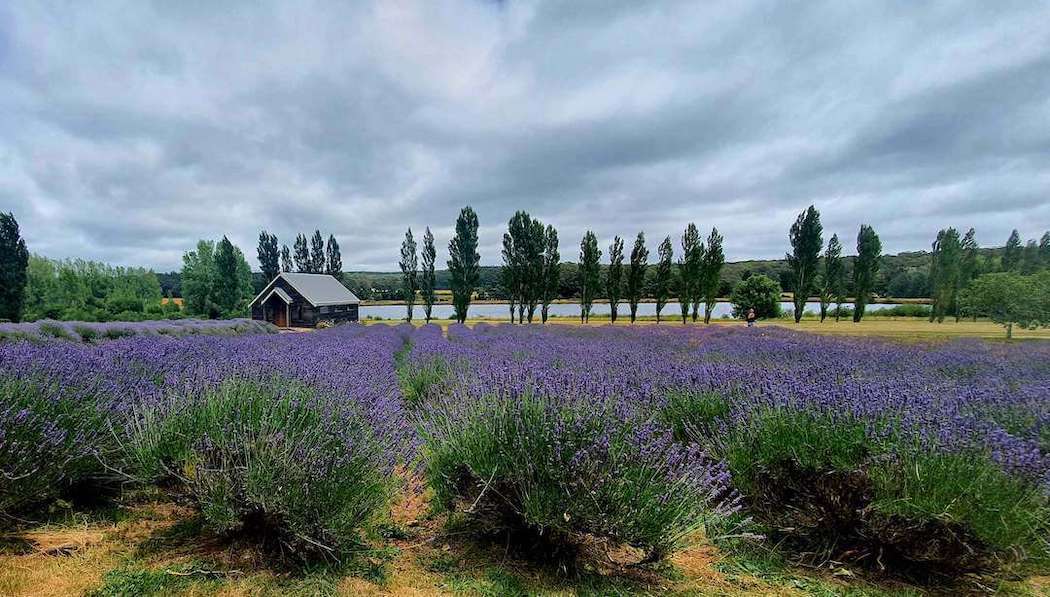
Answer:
(463, 262)
(806, 241)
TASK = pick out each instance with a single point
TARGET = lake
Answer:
(563, 310)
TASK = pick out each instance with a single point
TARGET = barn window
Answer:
(325, 309)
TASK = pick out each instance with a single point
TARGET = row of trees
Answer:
(312, 256)
(463, 267)
(695, 280)
(829, 283)
(79, 290)
(1029, 259)
(955, 264)
(531, 272)
(415, 279)
(34, 287)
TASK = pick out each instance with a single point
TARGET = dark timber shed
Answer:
(304, 300)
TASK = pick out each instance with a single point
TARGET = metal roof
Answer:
(281, 293)
(320, 290)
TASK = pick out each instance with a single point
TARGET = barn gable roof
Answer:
(281, 293)
(320, 290)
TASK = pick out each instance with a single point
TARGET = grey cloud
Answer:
(131, 131)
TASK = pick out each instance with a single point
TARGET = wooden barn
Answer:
(304, 300)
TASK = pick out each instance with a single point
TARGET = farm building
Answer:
(304, 300)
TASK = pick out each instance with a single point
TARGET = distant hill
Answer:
(904, 275)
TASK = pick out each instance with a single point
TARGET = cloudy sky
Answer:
(129, 130)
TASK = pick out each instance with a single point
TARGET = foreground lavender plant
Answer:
(947, 439)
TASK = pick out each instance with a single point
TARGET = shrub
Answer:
(692, 415)
(906, 310)
(54, 330)
(569, 473)
(51, 436)
(87, 333)
(270, 459)
(115, 333)
(836, 487)
(759, 293)
(419, 380)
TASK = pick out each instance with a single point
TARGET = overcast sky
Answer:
(129, 130)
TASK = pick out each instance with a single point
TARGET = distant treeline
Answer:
(905, 275)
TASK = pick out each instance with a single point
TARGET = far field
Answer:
(903, 328)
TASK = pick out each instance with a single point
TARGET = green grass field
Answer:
(903, 328)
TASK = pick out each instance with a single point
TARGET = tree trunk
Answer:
(1009, 331)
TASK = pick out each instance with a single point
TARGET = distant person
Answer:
(751, 317)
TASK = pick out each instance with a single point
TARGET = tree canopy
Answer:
(14, 259)
(757, 292)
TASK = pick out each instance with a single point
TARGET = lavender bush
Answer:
(571, 472)
(163, 399)
(274, 459)
(81, 331)
(650, 436)
(928, 441)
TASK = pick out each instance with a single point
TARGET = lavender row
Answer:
(83, 331)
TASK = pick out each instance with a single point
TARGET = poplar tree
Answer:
(409, 272)
(427, 277)
(286, 259)
(463, 262)
(269, 256)
(333, 259)
(945, 263)
(614, 277)
(636, 274)
(227, 279)
(1012, 252)
(865, 268)
(302, 254)
(833, 277)
(589, 273)
(806, 240)
(14, 263)
(509, 273)
(662, 281)
(686, 282)
(551, 270)
(522, 273)
(317, 253)
(711, 272)
(534, 267)
(967, 267)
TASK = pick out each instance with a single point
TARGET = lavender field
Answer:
(900, 459)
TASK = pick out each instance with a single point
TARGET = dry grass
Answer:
(427, 557)
(71, 560)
